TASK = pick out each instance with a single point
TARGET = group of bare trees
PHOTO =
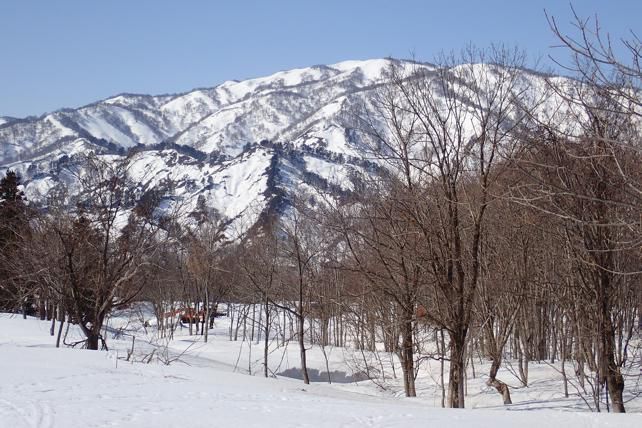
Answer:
(85, 256)
(80, 257)
(508, 213)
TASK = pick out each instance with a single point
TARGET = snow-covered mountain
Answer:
(237, 147)
(6, 119)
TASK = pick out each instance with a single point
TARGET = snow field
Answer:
(208, 385)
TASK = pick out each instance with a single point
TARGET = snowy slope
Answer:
(57, 388)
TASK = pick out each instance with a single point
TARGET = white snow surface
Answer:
(46, 387)
(334, 173)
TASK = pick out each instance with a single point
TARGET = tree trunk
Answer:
(52, 328)
(610, 372)
(206, 316)
(614, 378)
(51, 310)
(408, 359)
(42, 310)
(304, 364)
(61, 322)
(500, 386)
(93, 333)
(266, 338)
(253, 322)
(456, 372)
(522, 358)
(442, 356)
(615, 385)
(93, 340)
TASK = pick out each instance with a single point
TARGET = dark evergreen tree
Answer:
(14, 229)
(14, 218)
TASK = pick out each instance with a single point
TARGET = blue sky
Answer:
(68, 53)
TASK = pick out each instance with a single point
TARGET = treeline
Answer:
(506, 223)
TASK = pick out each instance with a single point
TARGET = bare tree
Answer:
(260, 264)
(98, 250)
(205, 251)
(441, 131)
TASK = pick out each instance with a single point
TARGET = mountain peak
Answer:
(237, 146)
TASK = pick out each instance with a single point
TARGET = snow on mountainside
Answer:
(6, 119)
(233, 146)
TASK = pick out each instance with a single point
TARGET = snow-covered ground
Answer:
(208, 385)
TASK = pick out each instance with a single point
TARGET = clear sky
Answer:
(68, 53)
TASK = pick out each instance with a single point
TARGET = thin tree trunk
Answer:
(456, 372)
(500, 386)
(408, 358)
(206, 316)
(52, 328)
(266, 337)
(60, 324)
(304, 365)
(442, 356)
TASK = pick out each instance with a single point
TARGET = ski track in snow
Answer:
(36, 414)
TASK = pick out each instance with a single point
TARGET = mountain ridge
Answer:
(289, 126)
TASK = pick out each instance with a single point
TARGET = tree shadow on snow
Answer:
(336, 376)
